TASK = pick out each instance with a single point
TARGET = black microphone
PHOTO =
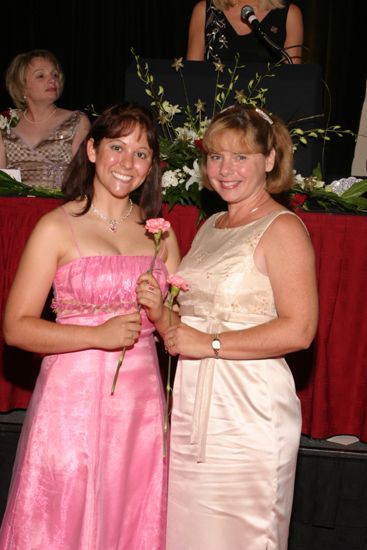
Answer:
(248, 14)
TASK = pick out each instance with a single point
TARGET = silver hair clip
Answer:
(264, 116)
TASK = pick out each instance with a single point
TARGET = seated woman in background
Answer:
(46, 137)
(217, 31)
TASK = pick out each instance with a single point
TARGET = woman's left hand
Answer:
(185, 340)
(149, 296)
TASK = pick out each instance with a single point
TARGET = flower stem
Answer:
(152, 264)
(168, 388)
(122, 354)
(119, 362)
(166, 415)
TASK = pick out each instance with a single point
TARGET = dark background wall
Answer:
(93, 38)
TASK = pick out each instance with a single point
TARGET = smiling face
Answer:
(235, 173)
(122, 163)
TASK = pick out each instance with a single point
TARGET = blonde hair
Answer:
(16, 74)
(259, 132)
(263, 4)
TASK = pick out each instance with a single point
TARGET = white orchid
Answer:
(186, 134)
(170, 109)
(195, 175)
(309, 182)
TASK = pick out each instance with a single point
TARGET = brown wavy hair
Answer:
(118, 120)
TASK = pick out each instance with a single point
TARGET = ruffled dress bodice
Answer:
(92, 288)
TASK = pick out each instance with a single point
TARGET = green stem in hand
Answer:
(168, 389)
(157, 238)
(119, 363)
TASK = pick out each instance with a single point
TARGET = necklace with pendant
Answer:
(112, 222)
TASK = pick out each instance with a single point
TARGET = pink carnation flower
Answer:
(155, 225)
(178, 282)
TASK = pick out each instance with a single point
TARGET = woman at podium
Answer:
(218, 31)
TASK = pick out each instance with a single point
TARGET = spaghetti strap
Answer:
(162, 250)
(71, 230)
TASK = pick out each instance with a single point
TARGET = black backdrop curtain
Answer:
(93, 38)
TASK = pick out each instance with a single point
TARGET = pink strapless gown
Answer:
(89, 473)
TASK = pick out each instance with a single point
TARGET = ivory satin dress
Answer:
(235, 423)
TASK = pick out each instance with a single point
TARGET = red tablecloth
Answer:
(18, 216)
(331, 376)
(333, 392)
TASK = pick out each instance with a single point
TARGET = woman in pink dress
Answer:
(89, 472)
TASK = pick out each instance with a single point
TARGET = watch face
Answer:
(216, 344)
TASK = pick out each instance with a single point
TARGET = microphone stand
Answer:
(272, 44)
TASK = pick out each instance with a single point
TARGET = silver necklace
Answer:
(112, 222)
(250, 211)
(254, 209)
(39, 121)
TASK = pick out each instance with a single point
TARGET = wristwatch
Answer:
(216, 345)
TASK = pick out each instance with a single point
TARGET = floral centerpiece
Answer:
(181, 150)
(344, 195)
(181, 145)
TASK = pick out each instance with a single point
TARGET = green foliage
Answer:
(181, 151)
(181, 182)
(318, 196)
(11, 187)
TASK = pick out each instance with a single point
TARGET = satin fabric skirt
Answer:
(89, 472)
(231, 487)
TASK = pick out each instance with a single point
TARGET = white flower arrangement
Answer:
(181, 146)
(344, 195)
(174, 178)
(181, 150)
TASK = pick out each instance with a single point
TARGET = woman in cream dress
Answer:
(236, 418)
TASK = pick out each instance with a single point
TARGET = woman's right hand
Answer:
(118, 332)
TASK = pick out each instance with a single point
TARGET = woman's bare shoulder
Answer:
(285, 228)
(56, 218)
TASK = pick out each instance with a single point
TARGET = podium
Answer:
(294, 93)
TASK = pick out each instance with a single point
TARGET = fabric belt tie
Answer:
(204, 388)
